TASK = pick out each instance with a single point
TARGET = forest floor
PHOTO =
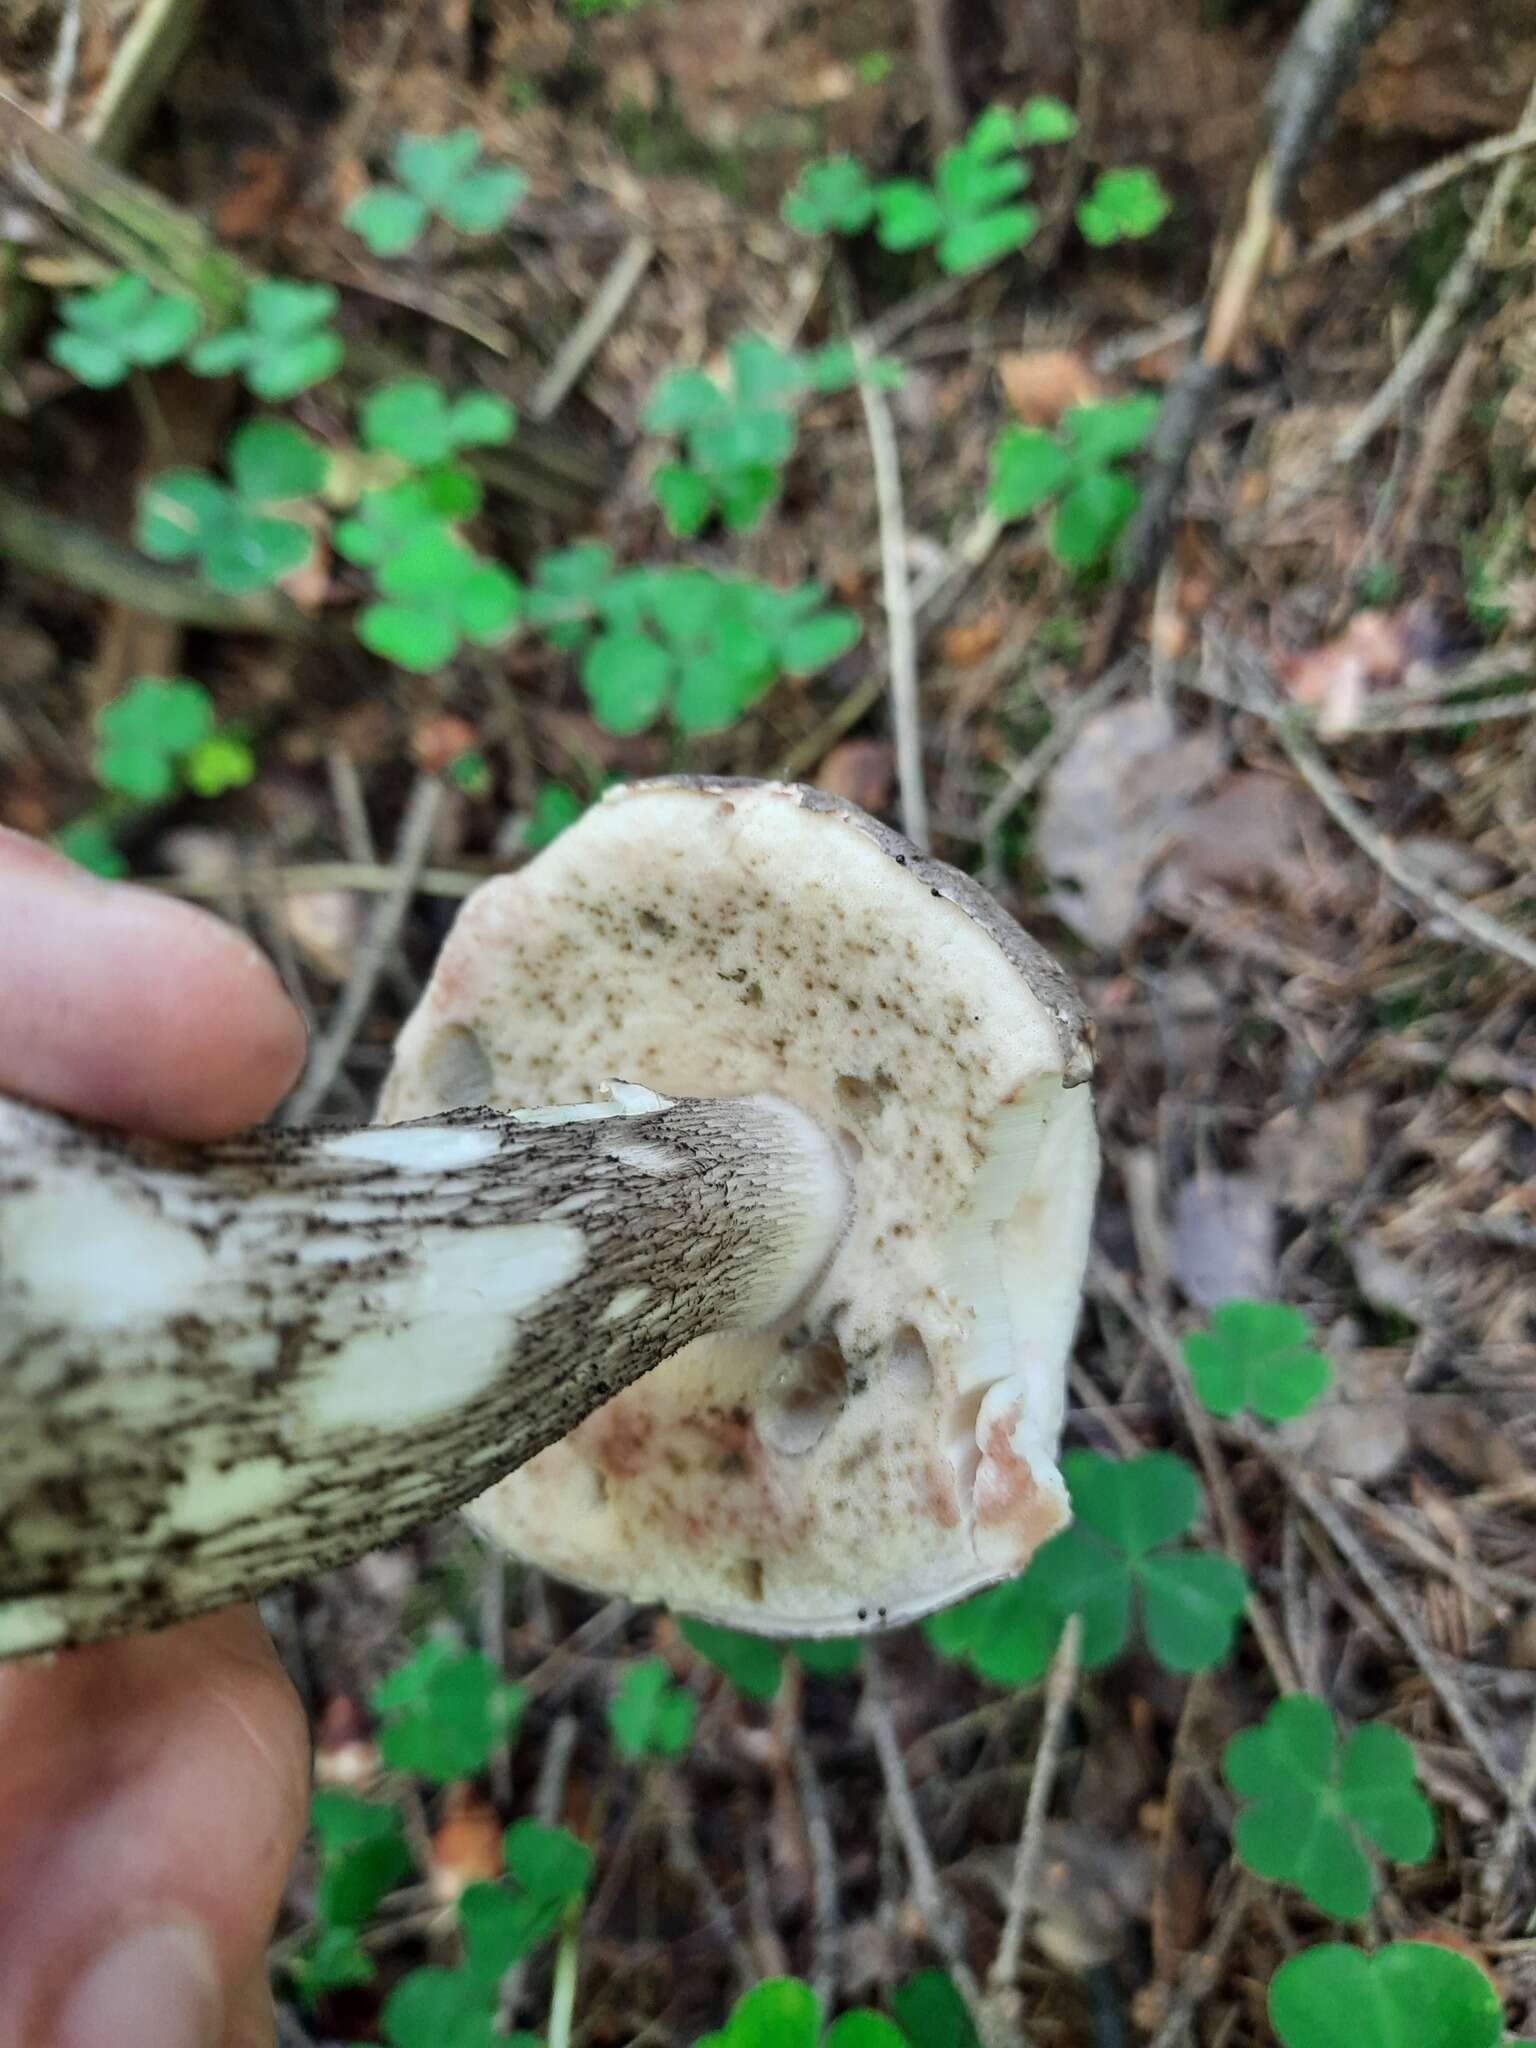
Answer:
(1274, 809)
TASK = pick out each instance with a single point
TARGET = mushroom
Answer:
(773, 1327)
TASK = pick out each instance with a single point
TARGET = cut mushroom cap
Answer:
(895, 1448)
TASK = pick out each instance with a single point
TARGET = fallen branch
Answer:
(1319, 62)
(92, 562)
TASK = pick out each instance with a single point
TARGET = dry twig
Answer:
(382, 936)
(1059, 1688)
(1419, 357)
(593, 328)
(901, 631)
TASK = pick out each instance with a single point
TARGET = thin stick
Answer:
(562, 1996)
(66, 59)
(1428, 1659)
(1107, 1282)
(901, 632)
(378, 942)
(548, 1800)
(1500, 1867)
(927, 1892)
(1081, 711)
(161, 35)
(1418, 358)
(826, 1924)
(593, 328)
(1202, 1970)
(307, 878)
(1478, 926)
(677, 1816)
(1434, 177)
(1059, 1688)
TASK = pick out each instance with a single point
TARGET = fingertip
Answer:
(133, 1008)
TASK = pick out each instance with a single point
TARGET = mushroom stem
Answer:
(224, 1367)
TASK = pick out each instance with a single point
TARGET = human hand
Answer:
(152, 1791)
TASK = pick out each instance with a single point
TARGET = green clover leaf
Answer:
(1007, 1634)
(1094, 500)
(435, 593)
(781, 2012)
(828, 1656)
(1114, 1558)
(785, 2013)
(363, 1856)
(438, 2008)
(932, 2014)
(628, 679)
(443, 1712)
(1308, 1800)
(831, 197)
(1123, 205)
(285, 345)
(442, 175)
(90, 844)
(220, 763)
(1045, 120)
(566, 588)
(388, 518)
(551, 1874)
(388, 219)
(751, 1663)
(650, 1716)
(1091, 516)
(185, 514)
(271, 462)
(1257, 1355)
(412, 418)
(556, 806)
(160, 733)
(1409, 1994)
(686, 496)
(1028, 468)
(332, 1961)
(1110, 431)
(122, 325)
(907, 213)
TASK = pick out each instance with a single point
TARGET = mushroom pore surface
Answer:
(893, 1448)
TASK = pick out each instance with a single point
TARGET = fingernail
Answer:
(156, 1987)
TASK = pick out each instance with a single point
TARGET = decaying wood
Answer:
(220, 1368)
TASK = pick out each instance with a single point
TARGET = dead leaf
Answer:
(973, 640)
(1224, 1239)
(1041, 384)
(1109, 807)
(325, 925)
(1246, 836)
(1373, 652)
(442, 738)
(467, 1847)
(860, 771)
(252, 207)
(1316, 1155)
(1359, 1430)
